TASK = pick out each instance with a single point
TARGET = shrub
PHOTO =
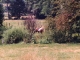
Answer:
(14, 35)
(41, 38)
(59, 36)
(55, 34)
(2, 28)
(50, 28)
(45, 41)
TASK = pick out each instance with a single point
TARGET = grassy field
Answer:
(20, 23)
(53, 51)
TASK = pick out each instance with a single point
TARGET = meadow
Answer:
(20, 23)
(53, 51)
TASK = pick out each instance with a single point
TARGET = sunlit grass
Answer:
(53, 51)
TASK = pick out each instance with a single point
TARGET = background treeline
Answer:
(40, 8)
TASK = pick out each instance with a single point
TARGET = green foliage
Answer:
(45, 6)
(14, 35)
(51, 27)
(74, 8)
(42, 38)
(59, 36)
(45, 41)
(2, 29)
(63, 30)
(1, 15)
(16, 8)
(76, 30)
(55, 35)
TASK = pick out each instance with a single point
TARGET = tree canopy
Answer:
(1, 15)
(17, 7)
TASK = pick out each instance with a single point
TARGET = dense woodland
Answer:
(62, 17)
(40, 8)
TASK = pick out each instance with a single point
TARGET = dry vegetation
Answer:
(19, 23)
(40, 52)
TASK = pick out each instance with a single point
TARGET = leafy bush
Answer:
(14, 35)
(2, 28)
(59, 36)
(45, 41)
(55, 34)
(41, 38)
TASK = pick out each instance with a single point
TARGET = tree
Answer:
(1, 15)
(1, 21)
(66, 24)
(17, 8)
(74, 8)
(30, 25)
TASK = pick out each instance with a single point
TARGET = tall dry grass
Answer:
(40, 52)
